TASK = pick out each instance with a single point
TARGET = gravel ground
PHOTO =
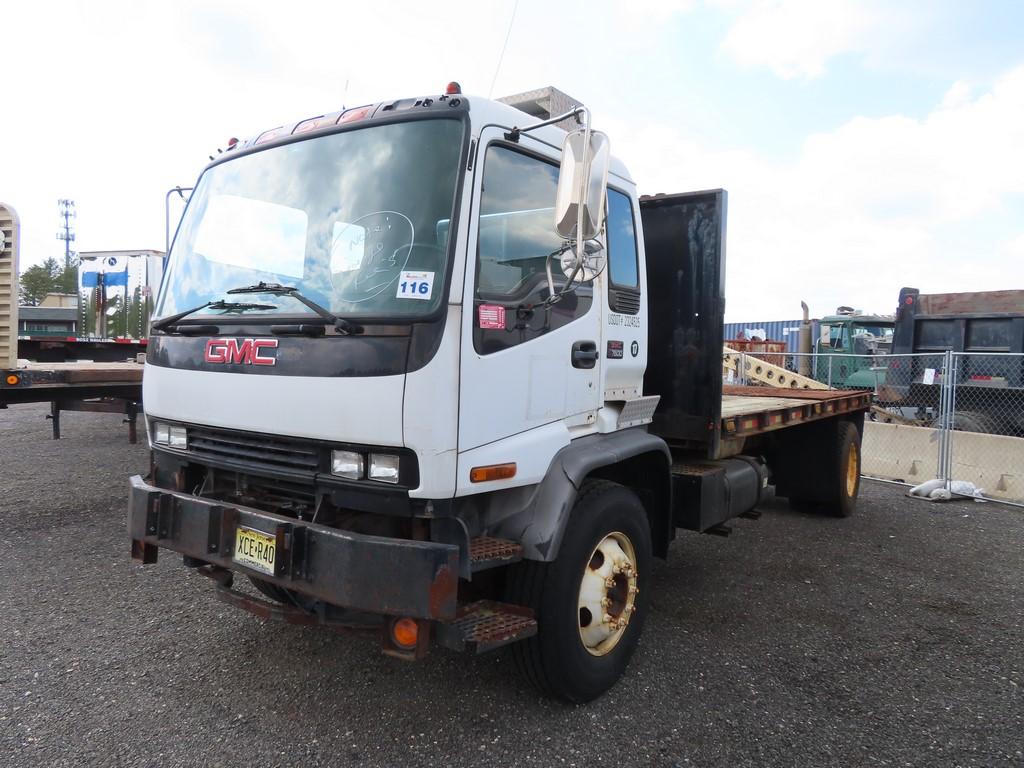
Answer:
(891, 638)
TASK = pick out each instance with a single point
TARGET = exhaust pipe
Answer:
(804, 361)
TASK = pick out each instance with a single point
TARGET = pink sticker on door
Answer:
(491, 316)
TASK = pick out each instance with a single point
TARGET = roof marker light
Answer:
(357, 113)
(453, 88)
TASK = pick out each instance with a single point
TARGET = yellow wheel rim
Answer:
(852, 470)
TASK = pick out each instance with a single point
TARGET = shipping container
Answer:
(787, 331)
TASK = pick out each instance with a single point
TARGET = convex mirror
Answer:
(582, 178)
(591, 266)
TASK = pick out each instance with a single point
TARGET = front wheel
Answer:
(590, 603)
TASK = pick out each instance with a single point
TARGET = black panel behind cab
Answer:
(684, 240)
(386, 351)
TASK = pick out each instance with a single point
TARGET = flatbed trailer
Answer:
(81, 386)
(69, 349)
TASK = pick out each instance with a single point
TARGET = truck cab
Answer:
(403, 376)
(847, 339)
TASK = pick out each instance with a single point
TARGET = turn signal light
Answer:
(405, 633)
(13, 379)
(492, 472)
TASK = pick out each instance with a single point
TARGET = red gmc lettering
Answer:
(247, 351)
(260, 359)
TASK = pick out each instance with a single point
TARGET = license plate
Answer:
(256, 550)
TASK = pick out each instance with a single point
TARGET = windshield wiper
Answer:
(341, 325)
(232, 306)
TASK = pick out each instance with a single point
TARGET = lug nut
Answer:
(605, 602)
(609, 582)
(607, 619)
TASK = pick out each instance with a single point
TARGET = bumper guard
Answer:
(398, 577)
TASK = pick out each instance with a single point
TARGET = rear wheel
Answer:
(829, 481)
(590, 603)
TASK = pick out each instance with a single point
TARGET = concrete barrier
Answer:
(994, 463)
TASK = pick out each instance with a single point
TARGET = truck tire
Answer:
(832, 483)
(590, 602)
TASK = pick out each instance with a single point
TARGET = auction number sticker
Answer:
(415, 285)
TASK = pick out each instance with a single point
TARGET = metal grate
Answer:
(486, 624)
(489, 548)
(489, 552)
(255, 451)
(639, 410)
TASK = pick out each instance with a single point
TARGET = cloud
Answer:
(111, 104)
(878, 203)
(795, 38)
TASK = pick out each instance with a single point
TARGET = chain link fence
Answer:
(957, 417)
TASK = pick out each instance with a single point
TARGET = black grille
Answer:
(254, 451)
(625, 302)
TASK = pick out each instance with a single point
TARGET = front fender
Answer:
(540, 525)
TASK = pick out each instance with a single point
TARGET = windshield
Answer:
(358, 222)
(878, 330)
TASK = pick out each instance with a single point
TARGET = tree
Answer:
(67, 280)
(49, 277)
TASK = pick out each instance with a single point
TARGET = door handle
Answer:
(584, 354)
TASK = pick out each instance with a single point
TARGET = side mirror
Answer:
(582, 178)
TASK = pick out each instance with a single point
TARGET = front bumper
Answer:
(397, 577)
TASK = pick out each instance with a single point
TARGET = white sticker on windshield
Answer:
(415, 285)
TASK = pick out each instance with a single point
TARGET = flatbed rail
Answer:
(750, 411)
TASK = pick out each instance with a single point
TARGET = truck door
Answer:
(529, 368)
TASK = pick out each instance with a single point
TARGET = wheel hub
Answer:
(608, 591)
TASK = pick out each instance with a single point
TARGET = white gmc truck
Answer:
(432, 368)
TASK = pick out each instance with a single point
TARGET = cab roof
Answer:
(478, 110)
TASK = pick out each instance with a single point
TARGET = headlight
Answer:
(384, 467)
(178, 438)
(171, 436)
(347, 464)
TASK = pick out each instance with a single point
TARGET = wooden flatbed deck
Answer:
(754, 410)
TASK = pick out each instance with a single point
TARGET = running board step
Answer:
(487, 552)
(486, 625)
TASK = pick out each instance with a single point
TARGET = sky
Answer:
(865, 145)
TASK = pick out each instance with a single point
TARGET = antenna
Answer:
(501, 57)
(67, 232)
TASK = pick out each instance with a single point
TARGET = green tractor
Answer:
(846, 347)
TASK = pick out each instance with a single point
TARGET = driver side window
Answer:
(516, 235)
